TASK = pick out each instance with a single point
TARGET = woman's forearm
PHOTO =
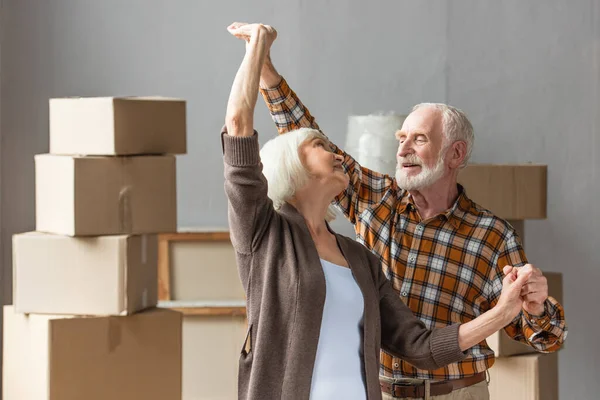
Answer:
(475, 331)
(244, 91)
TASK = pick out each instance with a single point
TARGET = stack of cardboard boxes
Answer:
(84, 322)
(516, 193)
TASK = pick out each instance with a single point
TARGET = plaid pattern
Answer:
(447, 269)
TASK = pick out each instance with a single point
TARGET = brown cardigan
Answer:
(285, 290)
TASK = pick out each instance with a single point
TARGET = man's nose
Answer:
(404, 148)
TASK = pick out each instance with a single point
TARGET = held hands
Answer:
(247, 32)
(269, 77)
(534, 292)
(511, 300)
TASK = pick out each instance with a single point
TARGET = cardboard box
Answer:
(81, 196)
(503, 345)
(104, 275)
(117, 126)
(92, 358)
(211, 352)
(529, 377)
(510, 191)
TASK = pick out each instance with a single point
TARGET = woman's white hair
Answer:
(456, 127)
(283, 168)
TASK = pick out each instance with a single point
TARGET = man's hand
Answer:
(535, 292)
(510, 301)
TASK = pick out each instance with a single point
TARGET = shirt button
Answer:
(411, 258)
(396, 365)
(419, 228)
(404, 294)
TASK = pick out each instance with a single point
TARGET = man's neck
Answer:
(435, 199)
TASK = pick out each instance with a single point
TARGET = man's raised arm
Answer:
(285, 107)
(366, 187)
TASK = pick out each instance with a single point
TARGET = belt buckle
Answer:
(403, 384)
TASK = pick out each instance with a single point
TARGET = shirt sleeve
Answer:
(366, 187)
(545, 333)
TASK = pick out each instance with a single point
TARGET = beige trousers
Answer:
(478, 391)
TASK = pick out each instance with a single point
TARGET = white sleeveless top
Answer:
(338, 372)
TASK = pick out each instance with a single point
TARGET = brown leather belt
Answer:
(415, 391)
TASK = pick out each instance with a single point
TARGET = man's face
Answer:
(420, 162)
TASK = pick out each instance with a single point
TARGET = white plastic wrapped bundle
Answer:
(372, 142)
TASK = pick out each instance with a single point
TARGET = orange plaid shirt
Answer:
(447, 269)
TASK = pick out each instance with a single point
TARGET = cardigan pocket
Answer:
(245, 365)
(247, 347)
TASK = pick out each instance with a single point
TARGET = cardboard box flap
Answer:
(141, 277)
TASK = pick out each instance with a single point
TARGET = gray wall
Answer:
(526, 73)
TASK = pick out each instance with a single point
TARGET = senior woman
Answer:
(319, 306)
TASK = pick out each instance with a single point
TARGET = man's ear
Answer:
(457, 154)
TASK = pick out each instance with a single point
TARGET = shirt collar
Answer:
(454, 214)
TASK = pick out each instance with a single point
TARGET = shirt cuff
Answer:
(539, 322)
(240, 151)
(277, 94)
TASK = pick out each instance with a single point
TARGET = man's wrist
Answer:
(537, 312)
(269, 77)
(540, 320)
(268, 84)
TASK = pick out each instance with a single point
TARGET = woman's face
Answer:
(323, 165)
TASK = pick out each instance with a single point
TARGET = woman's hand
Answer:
(242, 98)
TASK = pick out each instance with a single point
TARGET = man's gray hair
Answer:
(283, 168)
(456, 126)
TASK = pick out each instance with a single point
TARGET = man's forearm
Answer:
(244, 91)
(269, 77)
